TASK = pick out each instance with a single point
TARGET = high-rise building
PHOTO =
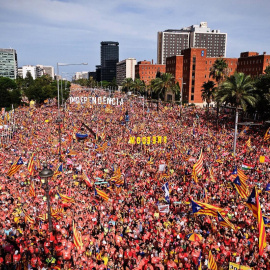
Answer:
(8, 63)
(125, 69)
(192, 69)
(171, 42)
(109, 56)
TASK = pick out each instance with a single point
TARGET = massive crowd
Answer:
(127, 228)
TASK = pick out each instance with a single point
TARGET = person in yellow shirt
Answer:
(105, 258)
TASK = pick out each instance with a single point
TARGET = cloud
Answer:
(61, 31)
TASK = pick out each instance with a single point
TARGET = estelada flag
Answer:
(15, 167)
(30, 166)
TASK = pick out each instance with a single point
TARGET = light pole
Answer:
(64, 64)
(45, 174)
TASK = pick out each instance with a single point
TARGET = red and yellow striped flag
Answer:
(211, 173)
(198, 167)
(32, 191)
(223, 221)
(211, 262)
(15, 167)
(261, 226)
(194, 175)
(30, 166)
(66, 199)
(28, 218)
(77, 237)
(248, 143)
(102, 194)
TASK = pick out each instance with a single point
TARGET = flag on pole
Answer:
(254, 205)
(198, 167)
(241, 187)
(28, 218)
(77, 237)
(211, 262)
(15, 167)
(102, 194)
(86, 179)
(246, 166)
(59, 170)
(165, 188)
(32, 192)
(65, 198)
(200, 208)
(240, 173)
(251, 203)
(30, 166)
(262, 234)
(266, 221)
(194, 175)
(223, 221)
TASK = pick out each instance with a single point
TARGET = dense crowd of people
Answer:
(111, 190)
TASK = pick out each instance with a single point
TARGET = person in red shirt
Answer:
(16, 258)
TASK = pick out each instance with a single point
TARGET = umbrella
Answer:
(194, 237)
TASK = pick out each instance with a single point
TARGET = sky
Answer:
(48, 32)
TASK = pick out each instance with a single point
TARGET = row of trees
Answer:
(238, 90)
(157, 88)
(40, 89)
(91, 82)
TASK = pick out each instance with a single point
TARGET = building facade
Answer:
(45, 70)
(251, 63)
(192, 69)
(146, 71)
(109, 57)
(8, 63)
(125, 69)
(172, 42)
(31, 69)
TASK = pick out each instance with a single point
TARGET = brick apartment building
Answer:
(252, 63)
(146, 70)
(192, 68)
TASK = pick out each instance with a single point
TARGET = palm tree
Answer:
(163, 84)
(219, 71)
(237, 90)
(208, 92)
(127, 84)
(138, 86)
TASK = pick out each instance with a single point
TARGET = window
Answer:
(192, 97)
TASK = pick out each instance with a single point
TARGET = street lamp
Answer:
(64, 64)
(59, 121)
(45, 174)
